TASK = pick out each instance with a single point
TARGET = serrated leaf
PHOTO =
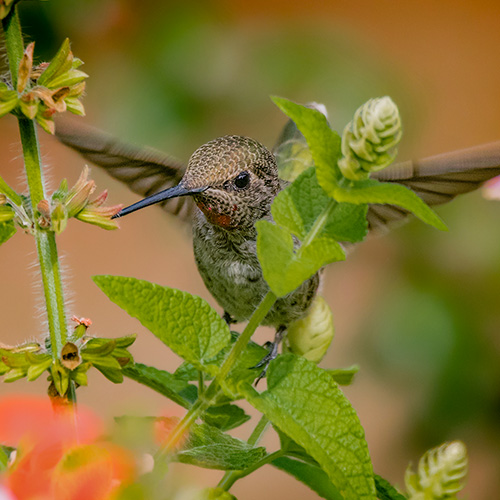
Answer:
(210, 448)
(184, 322)
(225, 417)
(323, 142)
(240, 373)
(374, 191)
(385, 490)
(61, 62)
(310, 475)
(7, 230)
(299, 205)
(285, 269)
(304, 402)
(163, 382)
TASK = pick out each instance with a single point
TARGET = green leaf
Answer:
(8, 103)
(323, 142)
(210, 448)
(184, 322)
(310, 475)
(385, 490)
(344, 376)
(240, 373)
(299, 205)
(61, 62)
(7, 230)
(225, 417)
(108, 366)
(304, 402)
(374, 191)
(285, 269)
(163, 382)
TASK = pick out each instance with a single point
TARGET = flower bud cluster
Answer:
(441, 473)
(76, 202)
(81, 352)
(369, 141)
(46, 89)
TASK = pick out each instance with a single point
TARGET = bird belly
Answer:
(231, 271)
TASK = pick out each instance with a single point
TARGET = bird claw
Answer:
(272, 354)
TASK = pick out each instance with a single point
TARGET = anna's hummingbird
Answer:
(233, 181)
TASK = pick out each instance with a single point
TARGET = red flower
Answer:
(58, 456)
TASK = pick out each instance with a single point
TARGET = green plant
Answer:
(321, 438)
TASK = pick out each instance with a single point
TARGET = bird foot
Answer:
(272, 354)
(228, 319)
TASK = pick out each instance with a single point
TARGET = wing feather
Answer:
(145, 170)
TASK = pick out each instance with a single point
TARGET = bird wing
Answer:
(144, 170)
(437, 179)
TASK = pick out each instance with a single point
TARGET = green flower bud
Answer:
(312, 335)
(59, 218)
(369, 141)
(441, 473)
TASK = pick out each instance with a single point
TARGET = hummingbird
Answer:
(230, 183)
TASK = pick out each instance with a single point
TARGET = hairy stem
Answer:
(45, 240)
(207, 398)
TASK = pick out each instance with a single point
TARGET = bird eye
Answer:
(242, 180)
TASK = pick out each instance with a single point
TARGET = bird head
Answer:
(232, 179)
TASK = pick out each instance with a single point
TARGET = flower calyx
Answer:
(45, 89)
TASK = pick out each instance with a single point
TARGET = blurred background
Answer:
(418, 310)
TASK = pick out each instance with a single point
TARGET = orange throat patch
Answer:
(214, 217)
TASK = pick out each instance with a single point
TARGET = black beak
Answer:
(166, 194)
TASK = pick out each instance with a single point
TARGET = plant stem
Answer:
(213, 390)
(230, 477)
(45, 240)
(201, 383)
(235, 475)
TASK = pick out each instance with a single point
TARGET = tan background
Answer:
(175, 74)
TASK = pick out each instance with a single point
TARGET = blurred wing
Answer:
(145, 171)
(437, 179)
(291, 151)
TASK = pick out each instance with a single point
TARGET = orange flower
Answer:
(58, 456)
